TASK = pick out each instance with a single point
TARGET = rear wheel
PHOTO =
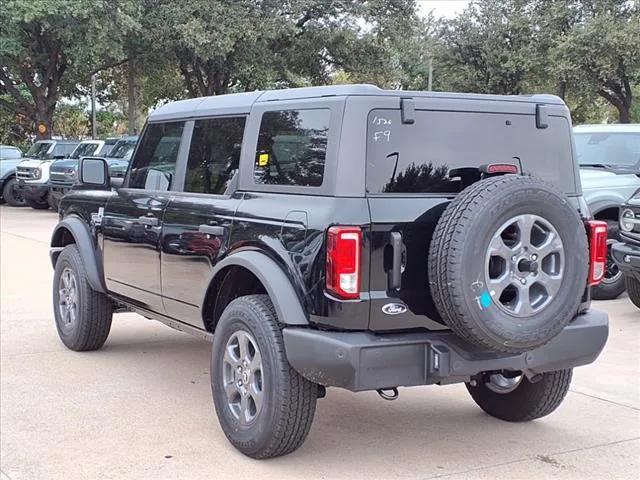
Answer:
(511, 396)
(264, 406)
(11, 193)
(633, 288)
(83, 316)
(613, 284)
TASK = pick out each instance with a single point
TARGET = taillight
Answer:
(597, 251)
(344, 246)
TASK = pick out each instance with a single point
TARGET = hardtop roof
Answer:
(242, 102)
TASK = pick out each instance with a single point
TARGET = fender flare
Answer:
(276, 283)
(84, 240)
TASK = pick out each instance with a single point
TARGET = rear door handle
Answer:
(215, 230)
(148, 221)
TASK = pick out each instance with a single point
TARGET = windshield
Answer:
(608, 149)
(38, 150)
(84, 150)
(122, 149)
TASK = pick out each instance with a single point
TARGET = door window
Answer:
(292, 147)
(154, 164)
(214, 154)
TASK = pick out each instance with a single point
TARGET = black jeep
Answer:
(626, 253)
(346, 237)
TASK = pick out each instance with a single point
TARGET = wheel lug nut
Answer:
(523, 281)
(534, 257)
(514, 258)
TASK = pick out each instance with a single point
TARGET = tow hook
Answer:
(384, 393)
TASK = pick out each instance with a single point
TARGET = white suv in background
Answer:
(609, 158)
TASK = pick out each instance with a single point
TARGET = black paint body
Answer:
(159, 249)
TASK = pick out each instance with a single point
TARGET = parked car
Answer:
(344, 236)
(609, 158)
(10, 157)
(33, 172)
(626, 253)
(63, 172)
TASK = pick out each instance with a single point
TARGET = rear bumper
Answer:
(627, 257)
(361, 361)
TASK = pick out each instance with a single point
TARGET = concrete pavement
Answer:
(141, 406)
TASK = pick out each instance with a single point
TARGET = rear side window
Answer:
(420, 157)
(214, 154)
(292, 147)
(154, 164)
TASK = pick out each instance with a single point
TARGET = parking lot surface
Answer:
(141, 406)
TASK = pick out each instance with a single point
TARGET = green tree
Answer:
(600, 54)
(50, 46)
(242, 45)
(487, 48)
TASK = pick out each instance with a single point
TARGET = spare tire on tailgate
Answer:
(508, 263)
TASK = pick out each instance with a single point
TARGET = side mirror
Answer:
(94, 173)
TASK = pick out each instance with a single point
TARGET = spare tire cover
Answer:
(508, 263)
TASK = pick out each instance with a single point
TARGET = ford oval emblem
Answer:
(394, 309)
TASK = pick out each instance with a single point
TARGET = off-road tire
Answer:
(610, 290)
(9, 194)
(38, 204)
(457, 257)
(53, 202)
(289, 399)
(633, 289)
(94, 309)
(528, 401)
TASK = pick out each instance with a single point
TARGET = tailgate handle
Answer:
(395, 274)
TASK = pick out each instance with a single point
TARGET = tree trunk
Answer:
(131, 93)
(624, 114)
(44, 123)
(561, 89)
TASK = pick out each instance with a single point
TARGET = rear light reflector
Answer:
(344, 245)
(501, 168)
(597, 231)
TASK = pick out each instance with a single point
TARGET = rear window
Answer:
(419, 157)
(292, 147)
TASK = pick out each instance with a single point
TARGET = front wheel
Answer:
(12, 195)
(514, 398)
(264, 406)
(633, 287)
(38, 204)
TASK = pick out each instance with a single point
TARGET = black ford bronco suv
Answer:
(344, 236)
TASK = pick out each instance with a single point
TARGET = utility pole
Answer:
(131, 90)
(94, 129)
(430, 74)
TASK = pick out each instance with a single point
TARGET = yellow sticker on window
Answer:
(263, 160)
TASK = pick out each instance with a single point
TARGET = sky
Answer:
(442, 8)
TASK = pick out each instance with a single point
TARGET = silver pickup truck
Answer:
(609, 158)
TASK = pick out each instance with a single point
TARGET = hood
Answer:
(597, 178)
(32, 162)
(64, 164)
